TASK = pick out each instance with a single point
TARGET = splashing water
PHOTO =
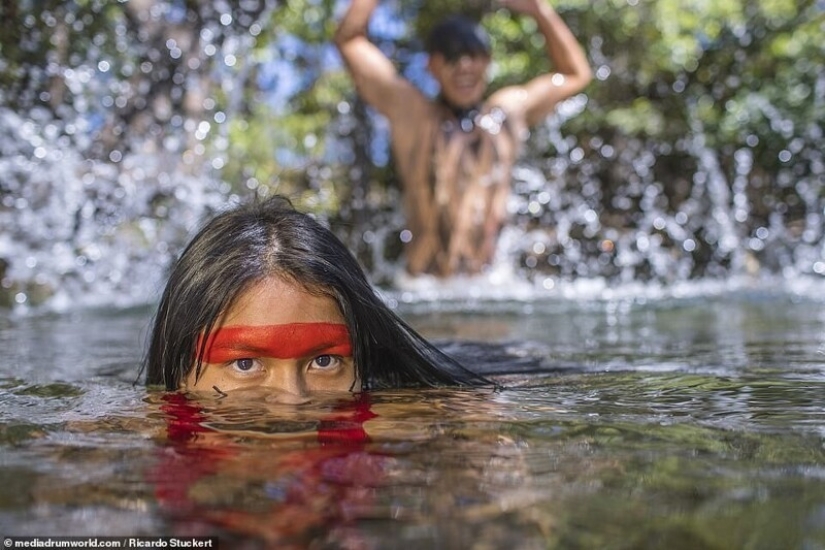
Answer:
(88, 222)
(76, 231)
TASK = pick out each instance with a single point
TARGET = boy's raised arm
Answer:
(570, 72)
(375, 76)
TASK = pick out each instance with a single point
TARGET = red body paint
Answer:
(290, 341)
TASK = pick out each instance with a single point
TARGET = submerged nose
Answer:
(287, 380)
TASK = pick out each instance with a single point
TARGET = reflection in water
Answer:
(579, 460)
(569, 462)
(205, 477)
(559, 464)
(369, 460)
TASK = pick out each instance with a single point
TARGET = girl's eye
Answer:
(245, 365)
(326, 361)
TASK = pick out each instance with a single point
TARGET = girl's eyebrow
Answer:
(287, 341)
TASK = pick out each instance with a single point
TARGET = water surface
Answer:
(683, 421)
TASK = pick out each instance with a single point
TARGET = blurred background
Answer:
(695, 154)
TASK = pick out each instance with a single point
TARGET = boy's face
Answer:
(463, 80)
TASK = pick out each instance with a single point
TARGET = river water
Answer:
(688, 419)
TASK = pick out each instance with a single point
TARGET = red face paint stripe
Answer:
(289, 341)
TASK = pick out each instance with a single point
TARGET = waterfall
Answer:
(116, 145)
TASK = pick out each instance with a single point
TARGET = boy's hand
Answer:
(527, 7)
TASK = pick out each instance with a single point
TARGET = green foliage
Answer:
(640, 118)
(745, 73)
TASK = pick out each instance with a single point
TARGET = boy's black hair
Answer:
(457, 35)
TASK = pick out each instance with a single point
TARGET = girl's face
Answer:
(278, 336)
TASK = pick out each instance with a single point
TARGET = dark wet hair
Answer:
(457, 35)
(267, 238)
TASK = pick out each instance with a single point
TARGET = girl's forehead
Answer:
(278, 301)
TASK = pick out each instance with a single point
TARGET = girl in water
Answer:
(266, 297)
